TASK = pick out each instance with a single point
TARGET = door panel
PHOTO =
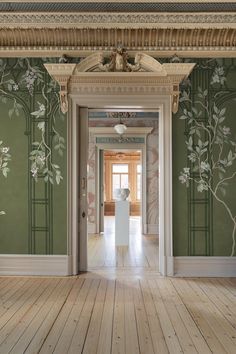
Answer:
(83, 204)
(101, 191)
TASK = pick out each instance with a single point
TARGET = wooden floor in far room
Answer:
(95, 314)
(143, 250)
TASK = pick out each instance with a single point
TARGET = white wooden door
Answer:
(101, 190)
(83, 204)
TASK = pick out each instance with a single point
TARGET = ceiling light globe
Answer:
(120, 128)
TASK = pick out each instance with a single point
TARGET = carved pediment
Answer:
(102, 74)
(118, 61)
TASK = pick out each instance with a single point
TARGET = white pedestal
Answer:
(122, 223)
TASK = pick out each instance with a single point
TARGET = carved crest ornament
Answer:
(119, 62)
(117, 74)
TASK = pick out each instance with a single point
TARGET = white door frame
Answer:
(161, 103)
(142, 148)
(155, 86)
(99, 190)
(141, 132)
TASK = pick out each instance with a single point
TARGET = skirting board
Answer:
(205, 266)
(91, 228)
(58, 265)
(151, 229)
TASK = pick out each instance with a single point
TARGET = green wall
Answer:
(14, 189)
(201, 226)
(36, 213)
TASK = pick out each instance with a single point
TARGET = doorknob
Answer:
(83, 214)
(84, 183)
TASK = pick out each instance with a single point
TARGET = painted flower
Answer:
(192, 157)
(184, 176)
(41, 107)
(40, 160)
(202, 187)
(218, 76)
(205, 166)
(34, 171)
(5, 150)
(226, 130)
(187, 170)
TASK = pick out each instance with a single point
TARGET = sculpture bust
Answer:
(121, 193)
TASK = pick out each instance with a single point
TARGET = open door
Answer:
(83, 204)
(101, 191)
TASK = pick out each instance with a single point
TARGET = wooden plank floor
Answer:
(142, 251)
(123, 313)
(121, 306)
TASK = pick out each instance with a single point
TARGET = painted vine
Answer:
(211, 148)
(32, 78)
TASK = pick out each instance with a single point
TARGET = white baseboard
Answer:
(145, 228)
(170, 266)
(205, 266)
(91, 228)
(17, 264)
(152, 229)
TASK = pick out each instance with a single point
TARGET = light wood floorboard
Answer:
(112, 313)
(121, 306)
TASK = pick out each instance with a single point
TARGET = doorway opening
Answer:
(112, 165)
(121, 169)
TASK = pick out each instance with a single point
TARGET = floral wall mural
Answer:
(5, 157)
(34, 194)
(28, 96)
(208, 110)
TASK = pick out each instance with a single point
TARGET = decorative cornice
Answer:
(117, 140)
(108, 131)
(154, 78)
(80, 20)
(79, 34)
(127, 1)
(74, 41)
(130, 79)
(103, 90)
(123, 115)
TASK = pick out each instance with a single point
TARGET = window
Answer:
(138, 184)
(120, 176)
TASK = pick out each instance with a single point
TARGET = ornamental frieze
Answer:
(128, 18)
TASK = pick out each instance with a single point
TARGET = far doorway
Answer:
(121, 169)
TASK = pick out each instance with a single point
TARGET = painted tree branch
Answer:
(5, 157)
(211, 149)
